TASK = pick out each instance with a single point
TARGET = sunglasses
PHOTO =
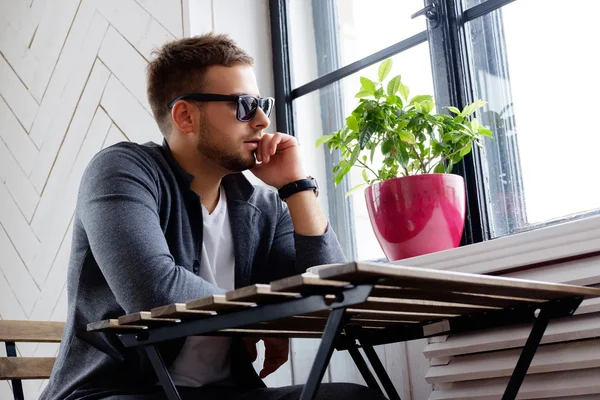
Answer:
(246, 104)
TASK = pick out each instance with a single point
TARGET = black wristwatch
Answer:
(309, 183)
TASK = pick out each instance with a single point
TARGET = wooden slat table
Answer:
(355, 305)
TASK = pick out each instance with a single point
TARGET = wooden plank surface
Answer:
(304, 283)
(270, 333)
(217, 303)
(31, 331)
(179, 311)
(26, 367)
(310, 283)
(144, 318)
(427, 279)
(448, 296)
(419, 306)
(399, 317)
(258, 293)
(112, 325)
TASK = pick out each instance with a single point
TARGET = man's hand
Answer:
(279, 157)
(276, 353)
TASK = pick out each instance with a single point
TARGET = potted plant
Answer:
(406, 152)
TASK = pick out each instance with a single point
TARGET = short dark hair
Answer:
(179, 67)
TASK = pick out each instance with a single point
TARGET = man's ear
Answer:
(184, 115)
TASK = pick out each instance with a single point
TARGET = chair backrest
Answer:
(16, 368)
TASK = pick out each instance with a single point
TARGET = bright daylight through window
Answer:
(533, 62)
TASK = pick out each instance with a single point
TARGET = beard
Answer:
(224, 153)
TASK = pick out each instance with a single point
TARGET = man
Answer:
(156, 225)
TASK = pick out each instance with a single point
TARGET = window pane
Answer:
(364, 27)
(415, 67)
(540, 83)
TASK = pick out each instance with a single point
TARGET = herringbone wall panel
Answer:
(71, 83)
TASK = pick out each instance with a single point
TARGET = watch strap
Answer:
(300, 185)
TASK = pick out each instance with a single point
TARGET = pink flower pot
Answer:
(416, 215)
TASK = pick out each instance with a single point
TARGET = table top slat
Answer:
(268, 333)
(308, 283)
(179, 311)
(258, 293)
(476, 299)
(419, 306)
(112, 325)
(217, 303)
(304, 283)
(400, 317)
(429, 279)
(144, 318)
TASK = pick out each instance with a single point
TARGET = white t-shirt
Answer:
(207, 359)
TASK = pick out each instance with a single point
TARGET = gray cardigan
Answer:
(137, 242)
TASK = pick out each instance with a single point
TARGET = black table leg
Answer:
(331, 332)
(17, 385)
(383, 376)
(364, 369)
(161, 372)
(537, 332)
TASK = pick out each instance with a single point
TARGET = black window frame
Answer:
(452, 85)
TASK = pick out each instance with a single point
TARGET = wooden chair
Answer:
(16, 368)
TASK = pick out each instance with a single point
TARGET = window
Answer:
(538, 81)
(540, 166)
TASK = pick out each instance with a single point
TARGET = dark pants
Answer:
(327, 391)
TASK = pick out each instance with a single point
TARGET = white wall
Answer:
(71, 82)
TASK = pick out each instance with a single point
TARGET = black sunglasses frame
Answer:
(261, 102)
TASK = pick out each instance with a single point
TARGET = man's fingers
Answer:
(251, 348)
(271, 365)
(268, 370)
(276, 354)
(268, 145)
(277, 138)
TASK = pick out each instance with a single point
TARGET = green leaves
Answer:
(354, 156)
(427, 106)
(323, 139)
(420, 98)
(389, 134)
(393, 85)
(404, 91)
(356, 188)
(344, 168)
(352, 123)
(466, 150)
(367, 85)
(483, 131)
(439, 169)
(471, 108)
(384, 69)
(454, 110)
(407, 137)
(365, 135)
(387, 146)
(363, 94)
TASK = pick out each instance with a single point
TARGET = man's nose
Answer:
(260, 120)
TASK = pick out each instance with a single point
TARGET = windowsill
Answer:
(544, 245)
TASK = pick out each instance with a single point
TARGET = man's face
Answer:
(222, 138)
